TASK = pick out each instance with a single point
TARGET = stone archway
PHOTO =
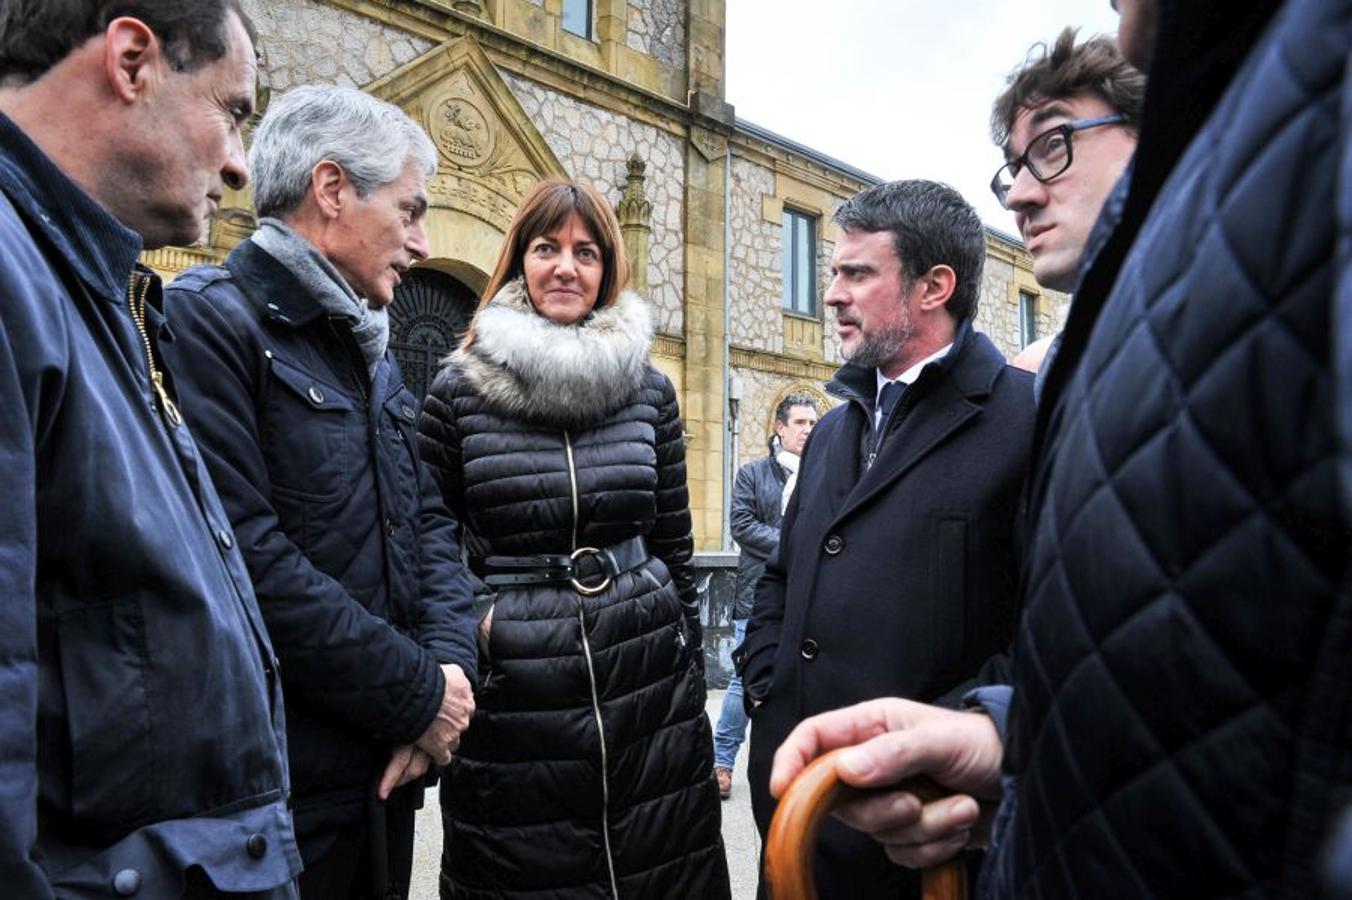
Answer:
(431, 310)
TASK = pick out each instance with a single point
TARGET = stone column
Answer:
(635, 213)
(705, 390)
(705, 402)
(612, 30)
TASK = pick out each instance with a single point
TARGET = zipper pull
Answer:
(170, 410)
(872, 455)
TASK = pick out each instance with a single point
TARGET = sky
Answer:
(898, 88)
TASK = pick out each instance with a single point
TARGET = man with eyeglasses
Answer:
(1067, 124)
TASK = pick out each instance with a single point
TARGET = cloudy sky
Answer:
(898, 88)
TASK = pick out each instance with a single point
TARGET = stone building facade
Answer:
(629, 96)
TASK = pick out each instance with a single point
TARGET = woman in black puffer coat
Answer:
(587, 769)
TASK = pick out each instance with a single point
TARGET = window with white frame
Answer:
(799, 263)
(1027, 318)
(577, 17)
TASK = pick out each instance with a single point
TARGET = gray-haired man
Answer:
(307, 428)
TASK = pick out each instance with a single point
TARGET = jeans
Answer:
(731, 728)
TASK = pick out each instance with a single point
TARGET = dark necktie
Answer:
(887, 401)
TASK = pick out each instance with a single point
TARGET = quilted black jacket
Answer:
(1182, 719)
(588, 764)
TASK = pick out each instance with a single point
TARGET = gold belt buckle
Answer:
(579, 586)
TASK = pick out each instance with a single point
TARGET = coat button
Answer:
(127, 882)
(226, 541)
(257, 845)
(809, 649)
(316, 396)
(834, 544)
(407, 412)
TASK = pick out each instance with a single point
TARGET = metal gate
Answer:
(430, 312)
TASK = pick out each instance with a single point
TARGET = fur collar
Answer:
(526, 366)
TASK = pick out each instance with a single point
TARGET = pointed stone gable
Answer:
(490, 153)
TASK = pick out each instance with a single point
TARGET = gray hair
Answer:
(370, 139)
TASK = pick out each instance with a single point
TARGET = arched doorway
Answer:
(431, 310)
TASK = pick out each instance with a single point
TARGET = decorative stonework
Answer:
(595, 145)
(635, 213)
(657, 27)
(169, 261)
(755, 283)
(489, 158)
(711, 146)
(308, 42)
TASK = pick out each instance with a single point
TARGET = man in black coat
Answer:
(308, 431)
(759, 496)
(895, 573)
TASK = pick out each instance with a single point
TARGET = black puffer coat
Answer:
(587, 769)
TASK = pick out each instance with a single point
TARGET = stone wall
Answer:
(998, 309)
(308, 42)
(755, 287)
(830, 335)
(657, 27)
(594, 144)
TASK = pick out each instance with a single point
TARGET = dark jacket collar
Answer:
(973, 364)
(274, 288)
(92, 243)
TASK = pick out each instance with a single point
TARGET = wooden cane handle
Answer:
(793, 834)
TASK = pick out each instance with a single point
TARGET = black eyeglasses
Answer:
(1047, 155)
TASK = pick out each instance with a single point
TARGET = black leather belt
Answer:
(582, 568)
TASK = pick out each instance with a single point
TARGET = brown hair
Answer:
(1065, 70)
(545, 208)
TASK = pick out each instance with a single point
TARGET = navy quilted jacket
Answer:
(1182, 718)
(354, 557)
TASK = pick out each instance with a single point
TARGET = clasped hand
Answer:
(410, 762)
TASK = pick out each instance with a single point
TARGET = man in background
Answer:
(759, 497)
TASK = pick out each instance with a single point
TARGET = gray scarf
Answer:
(371, 327)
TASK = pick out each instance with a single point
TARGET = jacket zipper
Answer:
(591, 677)
(882, 429)
(136, 302)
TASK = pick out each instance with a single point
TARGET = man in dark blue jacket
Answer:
(308, 431)
(142, 744)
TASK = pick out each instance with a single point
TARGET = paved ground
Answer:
(739, 833)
